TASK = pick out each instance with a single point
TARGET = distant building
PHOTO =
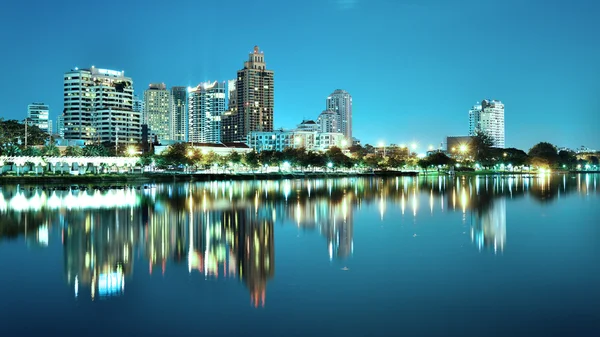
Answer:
(221, 149)
(340, 102)
(278, 140)
(308, 125)
(157, 110)
(138, 106)
(488, 117)
(179, 114)
(328, 121)
(254, 100)
(50, 127)
(98, 107)
(206, 108)
(60, 125)
(37, 114)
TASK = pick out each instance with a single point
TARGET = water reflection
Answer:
(226, 229)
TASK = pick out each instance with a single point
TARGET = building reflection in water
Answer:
(226, 229)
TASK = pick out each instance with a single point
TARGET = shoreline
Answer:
(193, 177)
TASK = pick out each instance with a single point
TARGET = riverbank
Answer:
(148, 178)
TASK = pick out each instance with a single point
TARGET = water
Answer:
(355, 257)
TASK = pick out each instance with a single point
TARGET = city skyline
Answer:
(542, 73)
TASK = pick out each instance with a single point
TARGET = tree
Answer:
(481, 148)
(424, 163)
(234, 157)
(10, 150)
(543, 155)
(568, 159)
(13, 131)
(439, 158)
(31, 151)
(250, 159)
(73, 151)
(209, 159)
(96, 150)
(515, 157)
(177, 154)
(50, 150)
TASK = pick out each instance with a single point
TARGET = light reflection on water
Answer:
(226, 229)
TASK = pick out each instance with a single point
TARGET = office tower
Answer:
(138, 106)
(488, 117)
(179, 114)
(340, 102)
(206, 107)
(37, 114)
(157, 110)
(50, 127)
(328, 121)
(98, 107)
(60, 125)
(254, 100)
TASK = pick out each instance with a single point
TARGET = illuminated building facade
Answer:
(206, 108)
(279, 140)
(98, 107)
(488, 117)
(179, 114)
(328, 121)
(157, 110)
(340, 103)
(37, 114)
(254, 100)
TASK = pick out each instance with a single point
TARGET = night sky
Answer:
(413, 67)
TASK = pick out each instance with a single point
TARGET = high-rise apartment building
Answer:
(98, 107)
(179, 114)
(206, 108)
(37, 114)
(488, 117)
(328, 121)
(340, 102)
(254, 104)
(157, 110)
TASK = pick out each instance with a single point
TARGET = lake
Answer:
(406, 256)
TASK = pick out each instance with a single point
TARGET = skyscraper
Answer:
(157, 110)
(98, 107)
(37, 114)
(179, 114)
(340, 102)
(206, 108)
(488, 117)
(254, 100)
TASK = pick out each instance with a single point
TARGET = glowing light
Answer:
(463, 148)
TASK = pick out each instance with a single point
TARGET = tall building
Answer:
(254, 100)
(231, 94)
(179, 114)
(50, 127)
(60, 125)
(206, 108)
(37, 114)
(138, 106)
(328, 121)
(488, 117)
(98, 107)
(340, 102)
(157, 110)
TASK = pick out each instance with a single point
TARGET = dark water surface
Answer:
(480, 256)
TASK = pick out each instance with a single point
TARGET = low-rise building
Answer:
(278, 140)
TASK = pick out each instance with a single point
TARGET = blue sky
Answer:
(413, 67)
